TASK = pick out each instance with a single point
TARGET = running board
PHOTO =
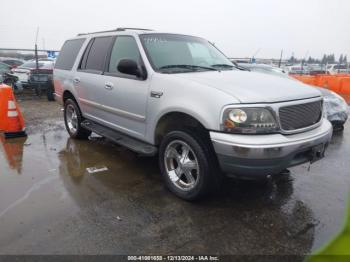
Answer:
(121, 139)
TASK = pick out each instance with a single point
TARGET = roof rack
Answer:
(116, 30)
(132, 28)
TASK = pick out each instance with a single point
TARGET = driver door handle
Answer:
(108, 86)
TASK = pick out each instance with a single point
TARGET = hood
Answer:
(252, 87)
(325, 92)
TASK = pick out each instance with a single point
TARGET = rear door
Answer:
(63, 71)
(88, 79)
(107, 96)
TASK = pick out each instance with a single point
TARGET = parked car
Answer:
(316, 69)
(336, 107)
(338, 69)
(13, 63)
(4, 68)
(179, 97)
(299, 70)
(42, 81)
(24, 71)
(6, 77)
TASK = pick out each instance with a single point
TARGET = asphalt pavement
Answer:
(51, 204)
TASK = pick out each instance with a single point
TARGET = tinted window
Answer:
(47, 65)
(12, 62)
(68, 54)
(124, 47)
(96, 55)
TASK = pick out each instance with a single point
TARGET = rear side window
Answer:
(68, 54)
(95, 54)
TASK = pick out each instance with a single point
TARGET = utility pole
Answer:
(279, 63)
(36, 49)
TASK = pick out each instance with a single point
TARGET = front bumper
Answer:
(254, 156)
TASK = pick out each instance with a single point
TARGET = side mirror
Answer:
(130, 67)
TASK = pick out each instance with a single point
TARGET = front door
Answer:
(126, 95)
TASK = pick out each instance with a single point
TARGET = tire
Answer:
(73, 119)
(37, 90)
(175, 163)
(338, 128)
(50, 92)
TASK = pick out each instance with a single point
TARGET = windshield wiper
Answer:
(188, 67)
(230, 66)
(222, 65)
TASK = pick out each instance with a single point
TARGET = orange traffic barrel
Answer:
(331, 82)
(306, 79)
(11, 119)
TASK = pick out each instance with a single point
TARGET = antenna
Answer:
(36, 49)
(279, 63)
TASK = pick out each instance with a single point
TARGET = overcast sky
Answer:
(238, 27)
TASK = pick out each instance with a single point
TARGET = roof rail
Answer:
(115, 30)
(132, 28)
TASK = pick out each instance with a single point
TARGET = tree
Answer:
(292, 59)
(345, 60)
(341, 60)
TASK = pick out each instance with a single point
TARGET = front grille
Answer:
(300, 116)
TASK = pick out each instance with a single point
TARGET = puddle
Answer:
(50, 204)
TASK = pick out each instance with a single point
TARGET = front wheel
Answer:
(187, 164)
(73, 119)
(338, 128)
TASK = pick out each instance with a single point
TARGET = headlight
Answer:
(237, 116)
(249, 121)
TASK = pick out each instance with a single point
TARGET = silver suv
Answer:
(179, 97)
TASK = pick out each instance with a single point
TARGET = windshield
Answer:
(31, 64)
(169, 53)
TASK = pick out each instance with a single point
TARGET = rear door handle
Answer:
(108, 86)
(76, 80)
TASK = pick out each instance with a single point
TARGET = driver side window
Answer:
(125, 47)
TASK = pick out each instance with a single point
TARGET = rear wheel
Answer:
(73, 120)
(188, 165)
(50, 92)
